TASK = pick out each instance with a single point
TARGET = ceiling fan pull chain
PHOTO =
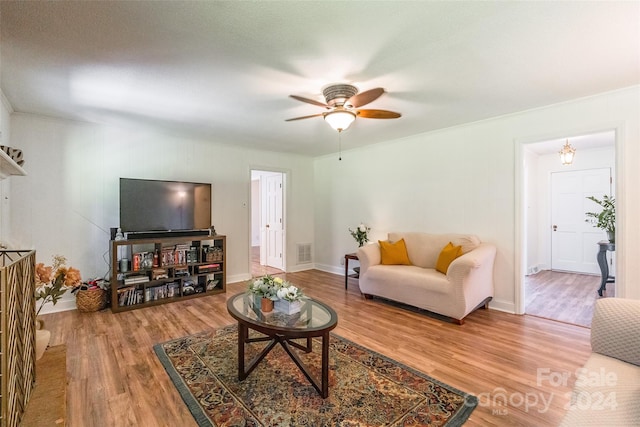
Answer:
(340, 144)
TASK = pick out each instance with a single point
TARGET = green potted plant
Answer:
(360, 233)
(289, 299)
(606, 219)
(265, 291)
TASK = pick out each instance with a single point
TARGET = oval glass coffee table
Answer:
(315, 319)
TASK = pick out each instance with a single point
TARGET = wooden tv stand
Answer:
(160, 270)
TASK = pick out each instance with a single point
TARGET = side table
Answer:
(605, 246)
(347, 257)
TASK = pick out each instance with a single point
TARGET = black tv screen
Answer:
(149, 205)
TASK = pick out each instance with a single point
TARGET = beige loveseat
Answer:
(607, 387)
(467, 284)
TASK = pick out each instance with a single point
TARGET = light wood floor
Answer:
(257, 269)
(566, 297)
(115, 379)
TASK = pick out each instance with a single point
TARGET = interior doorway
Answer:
(559, 270)
(268, 231)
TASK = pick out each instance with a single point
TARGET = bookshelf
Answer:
(152, 271)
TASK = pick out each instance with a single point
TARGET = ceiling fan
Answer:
(343, 102)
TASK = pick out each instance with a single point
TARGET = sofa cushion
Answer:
(446, 257)
(402, 283)
(393, 253)
(424, 248)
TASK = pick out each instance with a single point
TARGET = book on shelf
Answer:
(192, 255)
(156, 293)
(173, 289)
(135, 279)
(206, 268)
(139, 299)
(177, 254)
(134, 296)
(130, 296)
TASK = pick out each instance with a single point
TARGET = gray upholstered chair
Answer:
(607, 388)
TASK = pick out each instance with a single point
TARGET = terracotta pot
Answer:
(266, 305)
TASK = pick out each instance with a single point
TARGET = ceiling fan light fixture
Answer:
(340, 119)
(567, 153)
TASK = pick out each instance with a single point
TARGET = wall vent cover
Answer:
(304, 253)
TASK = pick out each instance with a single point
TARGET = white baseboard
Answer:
(62, 305)
(239, 278)
(500, 305)
(535, 269)
(330, 269)
(301, 267)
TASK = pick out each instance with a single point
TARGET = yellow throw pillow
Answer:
(446, 257)
(394, 253)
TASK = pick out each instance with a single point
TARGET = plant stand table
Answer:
(605, 246)
(315, 319)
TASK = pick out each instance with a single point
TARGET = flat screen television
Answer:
(150, 205)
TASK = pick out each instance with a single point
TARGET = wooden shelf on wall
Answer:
(8, 167)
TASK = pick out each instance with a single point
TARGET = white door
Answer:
(274, 235)
(574, 241)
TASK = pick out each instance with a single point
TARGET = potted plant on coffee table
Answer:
(264, 290)
(289, 299)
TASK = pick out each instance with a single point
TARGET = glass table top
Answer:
(313, 314)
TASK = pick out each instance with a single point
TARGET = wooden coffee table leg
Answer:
(242, 337)
(325, 365)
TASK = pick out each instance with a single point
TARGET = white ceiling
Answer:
(223, 70)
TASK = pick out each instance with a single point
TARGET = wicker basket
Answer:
(91, 300)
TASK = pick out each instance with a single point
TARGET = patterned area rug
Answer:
(365, 388)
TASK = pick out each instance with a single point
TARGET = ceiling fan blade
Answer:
(309, 101)
(365, 97)
(304, 117)
(378, 114)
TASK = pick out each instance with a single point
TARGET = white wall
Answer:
(5, 184)
(70, 198)
(468, 179)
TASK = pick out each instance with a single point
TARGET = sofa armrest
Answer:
(471, 278)
(462, 266)
(615, 329)
(368, 255)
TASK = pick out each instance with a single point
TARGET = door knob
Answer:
(555, 228)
